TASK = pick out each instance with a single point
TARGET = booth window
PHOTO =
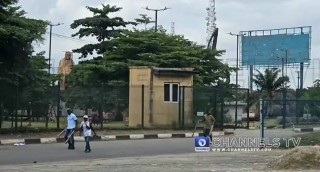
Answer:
(171, 92)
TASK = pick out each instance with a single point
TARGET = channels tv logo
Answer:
(202, 144)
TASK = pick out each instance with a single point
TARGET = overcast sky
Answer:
(189, 19)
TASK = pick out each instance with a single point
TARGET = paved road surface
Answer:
(110, 149)
(102, 149)
(198, 162)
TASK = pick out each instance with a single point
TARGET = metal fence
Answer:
(29, 106)
(229, 106)
(157, 106)
(291, 113)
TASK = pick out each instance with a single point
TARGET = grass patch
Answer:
(307, 139)
(269, 123)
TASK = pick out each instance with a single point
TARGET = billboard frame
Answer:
(279, 31)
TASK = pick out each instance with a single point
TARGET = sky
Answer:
(189, 18)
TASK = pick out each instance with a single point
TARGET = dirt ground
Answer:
(200, 162)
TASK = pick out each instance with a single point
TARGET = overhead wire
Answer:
(71, 38)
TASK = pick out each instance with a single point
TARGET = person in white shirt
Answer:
(86, 128)
(72, 123)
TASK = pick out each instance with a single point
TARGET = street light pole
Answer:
(156, 15)
(237, 66)
(284, 85)
(50, 38)
(49, 66)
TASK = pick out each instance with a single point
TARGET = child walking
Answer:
(86, 128)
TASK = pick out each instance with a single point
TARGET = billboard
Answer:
(276, 46)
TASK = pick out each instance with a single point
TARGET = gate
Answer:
(230, 107)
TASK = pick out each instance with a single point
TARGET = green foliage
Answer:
(101, 26)
(269, 84)
(21, 77)
(105, 78)
(313, 95)
(37, 82)
(144, 19)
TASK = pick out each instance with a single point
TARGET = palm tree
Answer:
(268, 84)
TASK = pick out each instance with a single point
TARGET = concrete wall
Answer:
(167, 113)
(163, 113)
(138, 76)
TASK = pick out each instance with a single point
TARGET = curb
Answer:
(109, 137)
(306, 129)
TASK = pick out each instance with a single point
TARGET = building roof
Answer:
(168, 71)
(173, 71)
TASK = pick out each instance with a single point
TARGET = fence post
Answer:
(100, 110)
(16, 120)
(261, 120)
(12, 117)
(215, 102)
(58, 106)
(21, 118)
(17, 107)
(47, 115)
(183, 99)
(0, 115)
(284, 108)
(248, 110)
(179, 107)
(100, 115)
(47, 121)
(221, 111)
(142, 106)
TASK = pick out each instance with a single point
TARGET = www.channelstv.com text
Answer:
(241, 149)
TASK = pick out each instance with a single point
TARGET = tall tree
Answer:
(101, 26)
(144, 19)
(310, 102)
(105, 78)
(17, 33)
(147, 48)
(269, 84)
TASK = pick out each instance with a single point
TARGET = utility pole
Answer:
(236, 111)
(284, 95)
(298, 72)
(156, 15)
(51, 25)
(49, 67)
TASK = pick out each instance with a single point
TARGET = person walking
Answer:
(209, 121)
(86, 128)
(72, 123)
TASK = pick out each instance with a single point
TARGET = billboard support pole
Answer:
(284, 94)
(261, 108)
(251, 77)
(301, 75)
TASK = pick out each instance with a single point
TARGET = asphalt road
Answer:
(11, 155)
(102, 149)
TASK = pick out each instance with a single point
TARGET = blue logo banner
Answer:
(202, 144)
